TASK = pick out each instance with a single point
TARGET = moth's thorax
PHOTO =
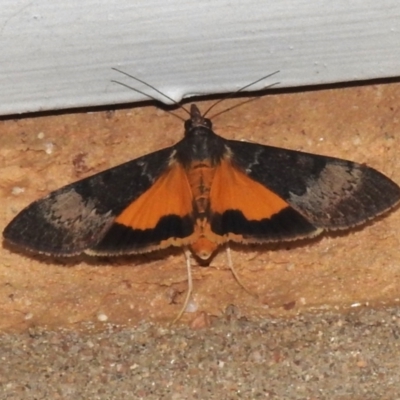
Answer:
(200, 144)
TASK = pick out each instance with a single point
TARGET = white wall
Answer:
(59, 55)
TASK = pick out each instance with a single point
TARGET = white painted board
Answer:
(57, 55)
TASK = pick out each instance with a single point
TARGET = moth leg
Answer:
(190, 285)
(235, 274)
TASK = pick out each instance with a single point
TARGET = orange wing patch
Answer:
(169, 195)
(233, 190)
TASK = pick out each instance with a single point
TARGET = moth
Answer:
(200, 193)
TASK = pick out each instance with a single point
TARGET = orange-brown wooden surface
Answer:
(41, 154)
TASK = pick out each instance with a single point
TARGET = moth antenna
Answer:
(190, 286)
(146, 94)
(235, 275)
(229, 95)
(233, 107)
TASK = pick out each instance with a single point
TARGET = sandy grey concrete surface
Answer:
(332, 356)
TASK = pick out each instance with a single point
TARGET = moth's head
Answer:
(196, 120)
